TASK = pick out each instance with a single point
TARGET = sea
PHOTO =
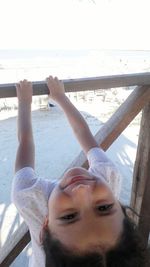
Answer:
(36, 65)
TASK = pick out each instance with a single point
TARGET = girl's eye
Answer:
(105, 208)
(69, 217)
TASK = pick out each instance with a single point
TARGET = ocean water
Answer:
(36, 65)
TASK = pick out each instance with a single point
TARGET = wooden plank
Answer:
(140, 197)
(123, 116)
(118, 121)
(108, 133)
(84, 84)
(13, 246)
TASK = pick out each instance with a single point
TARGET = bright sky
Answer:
(75, 24)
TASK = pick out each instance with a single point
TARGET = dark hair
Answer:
(128, 252)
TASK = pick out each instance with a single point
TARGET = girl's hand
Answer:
(24, 91)
(56, 88)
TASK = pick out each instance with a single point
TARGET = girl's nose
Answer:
(82, 193)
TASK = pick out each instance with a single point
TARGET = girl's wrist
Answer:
(24, 105)
(62, 99)
(24, 102)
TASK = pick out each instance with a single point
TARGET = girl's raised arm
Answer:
(77, 122)
(26, 151)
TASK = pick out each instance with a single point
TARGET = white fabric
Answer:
(100, 165)
(30, 195)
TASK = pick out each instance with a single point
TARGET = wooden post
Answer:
(140, 197)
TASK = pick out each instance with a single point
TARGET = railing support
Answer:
(140, 197)
(110, 131)
(14, 245)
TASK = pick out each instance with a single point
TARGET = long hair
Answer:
(128, 252)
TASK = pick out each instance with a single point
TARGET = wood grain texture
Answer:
(140, 197)
(14, 245)
(83, 84)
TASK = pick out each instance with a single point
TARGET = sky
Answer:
(75, 24)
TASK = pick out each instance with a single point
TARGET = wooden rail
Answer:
(105, 137)
(84, 84)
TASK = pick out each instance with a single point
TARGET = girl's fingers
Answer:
(17, 86)
(23, 83)
(49, 78)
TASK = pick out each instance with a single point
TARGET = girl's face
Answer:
(83, 212)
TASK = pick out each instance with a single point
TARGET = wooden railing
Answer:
(84, 84)
(139, 99)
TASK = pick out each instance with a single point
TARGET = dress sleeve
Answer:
(100, 165)
(23, 179)
(30, 195)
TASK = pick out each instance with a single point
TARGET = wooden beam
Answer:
(123, 116)
(140, 198)
(110, 131)
(13, 247)
(84, 84)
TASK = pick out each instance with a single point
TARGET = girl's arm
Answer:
(77, 122)
(26, 152)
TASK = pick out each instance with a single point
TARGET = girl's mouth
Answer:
(78, 179)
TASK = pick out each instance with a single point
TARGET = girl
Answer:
(78, 220)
